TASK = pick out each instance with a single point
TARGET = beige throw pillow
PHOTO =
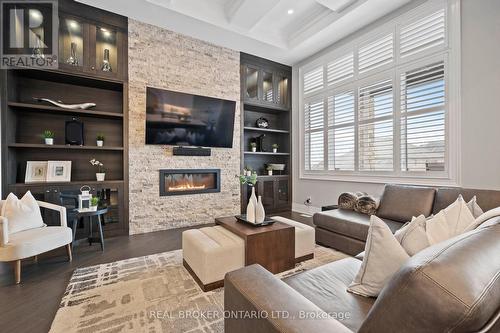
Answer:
(383, 257)
(22, 214)
(449, 222)
(412, 236)
(474, 208)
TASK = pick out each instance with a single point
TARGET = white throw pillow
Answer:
(383, 257)
(449, 222)
(474, 208)
(486, 216)
(412, 236)
(22, 214)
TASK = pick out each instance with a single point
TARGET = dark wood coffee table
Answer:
(272, 246)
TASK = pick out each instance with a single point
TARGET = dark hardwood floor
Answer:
(32, 305)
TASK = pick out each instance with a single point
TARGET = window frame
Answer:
(449, 53)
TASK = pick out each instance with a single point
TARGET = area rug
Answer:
(150, 294)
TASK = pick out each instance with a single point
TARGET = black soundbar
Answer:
(192, 151)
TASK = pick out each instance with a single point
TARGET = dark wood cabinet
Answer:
(275, 193)
(266, 94)
(93, 48)
(264, 84)
(24, 118)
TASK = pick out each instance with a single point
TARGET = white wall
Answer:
(481, 93)
(480, 130)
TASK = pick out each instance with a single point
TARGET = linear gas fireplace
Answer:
(189, 181)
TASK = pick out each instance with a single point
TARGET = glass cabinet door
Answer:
(252, 83)
(71, 43)
(267, 87)
(283, 192)
(282, 94)
(106, 51)
(267, 193)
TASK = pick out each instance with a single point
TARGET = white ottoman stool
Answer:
(305, 238)
(209, 253)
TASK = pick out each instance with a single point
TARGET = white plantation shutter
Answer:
(381, 107)
(313, 80)
(341, 133)
(376, 54)
(375, 132)
(340, 69)
(314, 135)
(423, 34)
(423, 119)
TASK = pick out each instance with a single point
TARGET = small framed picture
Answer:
(59, 171)
(36, 172)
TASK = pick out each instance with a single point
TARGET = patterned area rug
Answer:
(149, 294)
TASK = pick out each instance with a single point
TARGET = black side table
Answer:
(89, 215)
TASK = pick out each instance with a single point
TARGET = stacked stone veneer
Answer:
(163, 59)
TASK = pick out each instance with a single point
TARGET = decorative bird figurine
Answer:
(60, 104)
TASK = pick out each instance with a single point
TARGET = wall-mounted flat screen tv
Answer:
(180, 119)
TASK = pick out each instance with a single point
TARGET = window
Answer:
(423, 119)
(375, 129)
(376, 54)
(314, 135)
(380, 105)
(341, 119)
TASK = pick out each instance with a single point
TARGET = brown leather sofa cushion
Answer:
(453, 286)
(445, 196)
(326, 287)
(401, 202)
(349, 223)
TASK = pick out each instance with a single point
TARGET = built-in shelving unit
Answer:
(57, 110)
(25, 118)
(266, 93)
(268, 130)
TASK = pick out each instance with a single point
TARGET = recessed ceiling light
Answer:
(290, 11)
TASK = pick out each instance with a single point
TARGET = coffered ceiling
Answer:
(286, 31)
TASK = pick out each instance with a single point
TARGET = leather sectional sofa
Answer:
(452, 286)
(347, 230)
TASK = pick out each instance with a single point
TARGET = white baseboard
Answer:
(301, 208)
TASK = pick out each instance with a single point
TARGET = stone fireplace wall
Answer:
(164, 59)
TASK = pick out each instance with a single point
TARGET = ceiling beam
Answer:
(247, 13)
(336, 5)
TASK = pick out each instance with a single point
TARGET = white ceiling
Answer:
(260, 27)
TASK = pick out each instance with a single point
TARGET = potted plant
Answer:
(94, 202)
(269, 170)
(100, 140)
(49, 137)
(275, 147)
(100, 175)
(253, 146)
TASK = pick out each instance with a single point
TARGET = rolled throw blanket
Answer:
(348, 200)
(367, 204)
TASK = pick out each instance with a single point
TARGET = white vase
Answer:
(100, 176)
(250, 211)
(49, 141)
(100, 143)
(254, 149)
(260, 214)
(270, 172)
(275, 150)
(253, 197)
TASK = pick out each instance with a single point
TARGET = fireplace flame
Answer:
(186, 187)
(185, 184)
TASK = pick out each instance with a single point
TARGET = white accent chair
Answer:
(30, 243)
